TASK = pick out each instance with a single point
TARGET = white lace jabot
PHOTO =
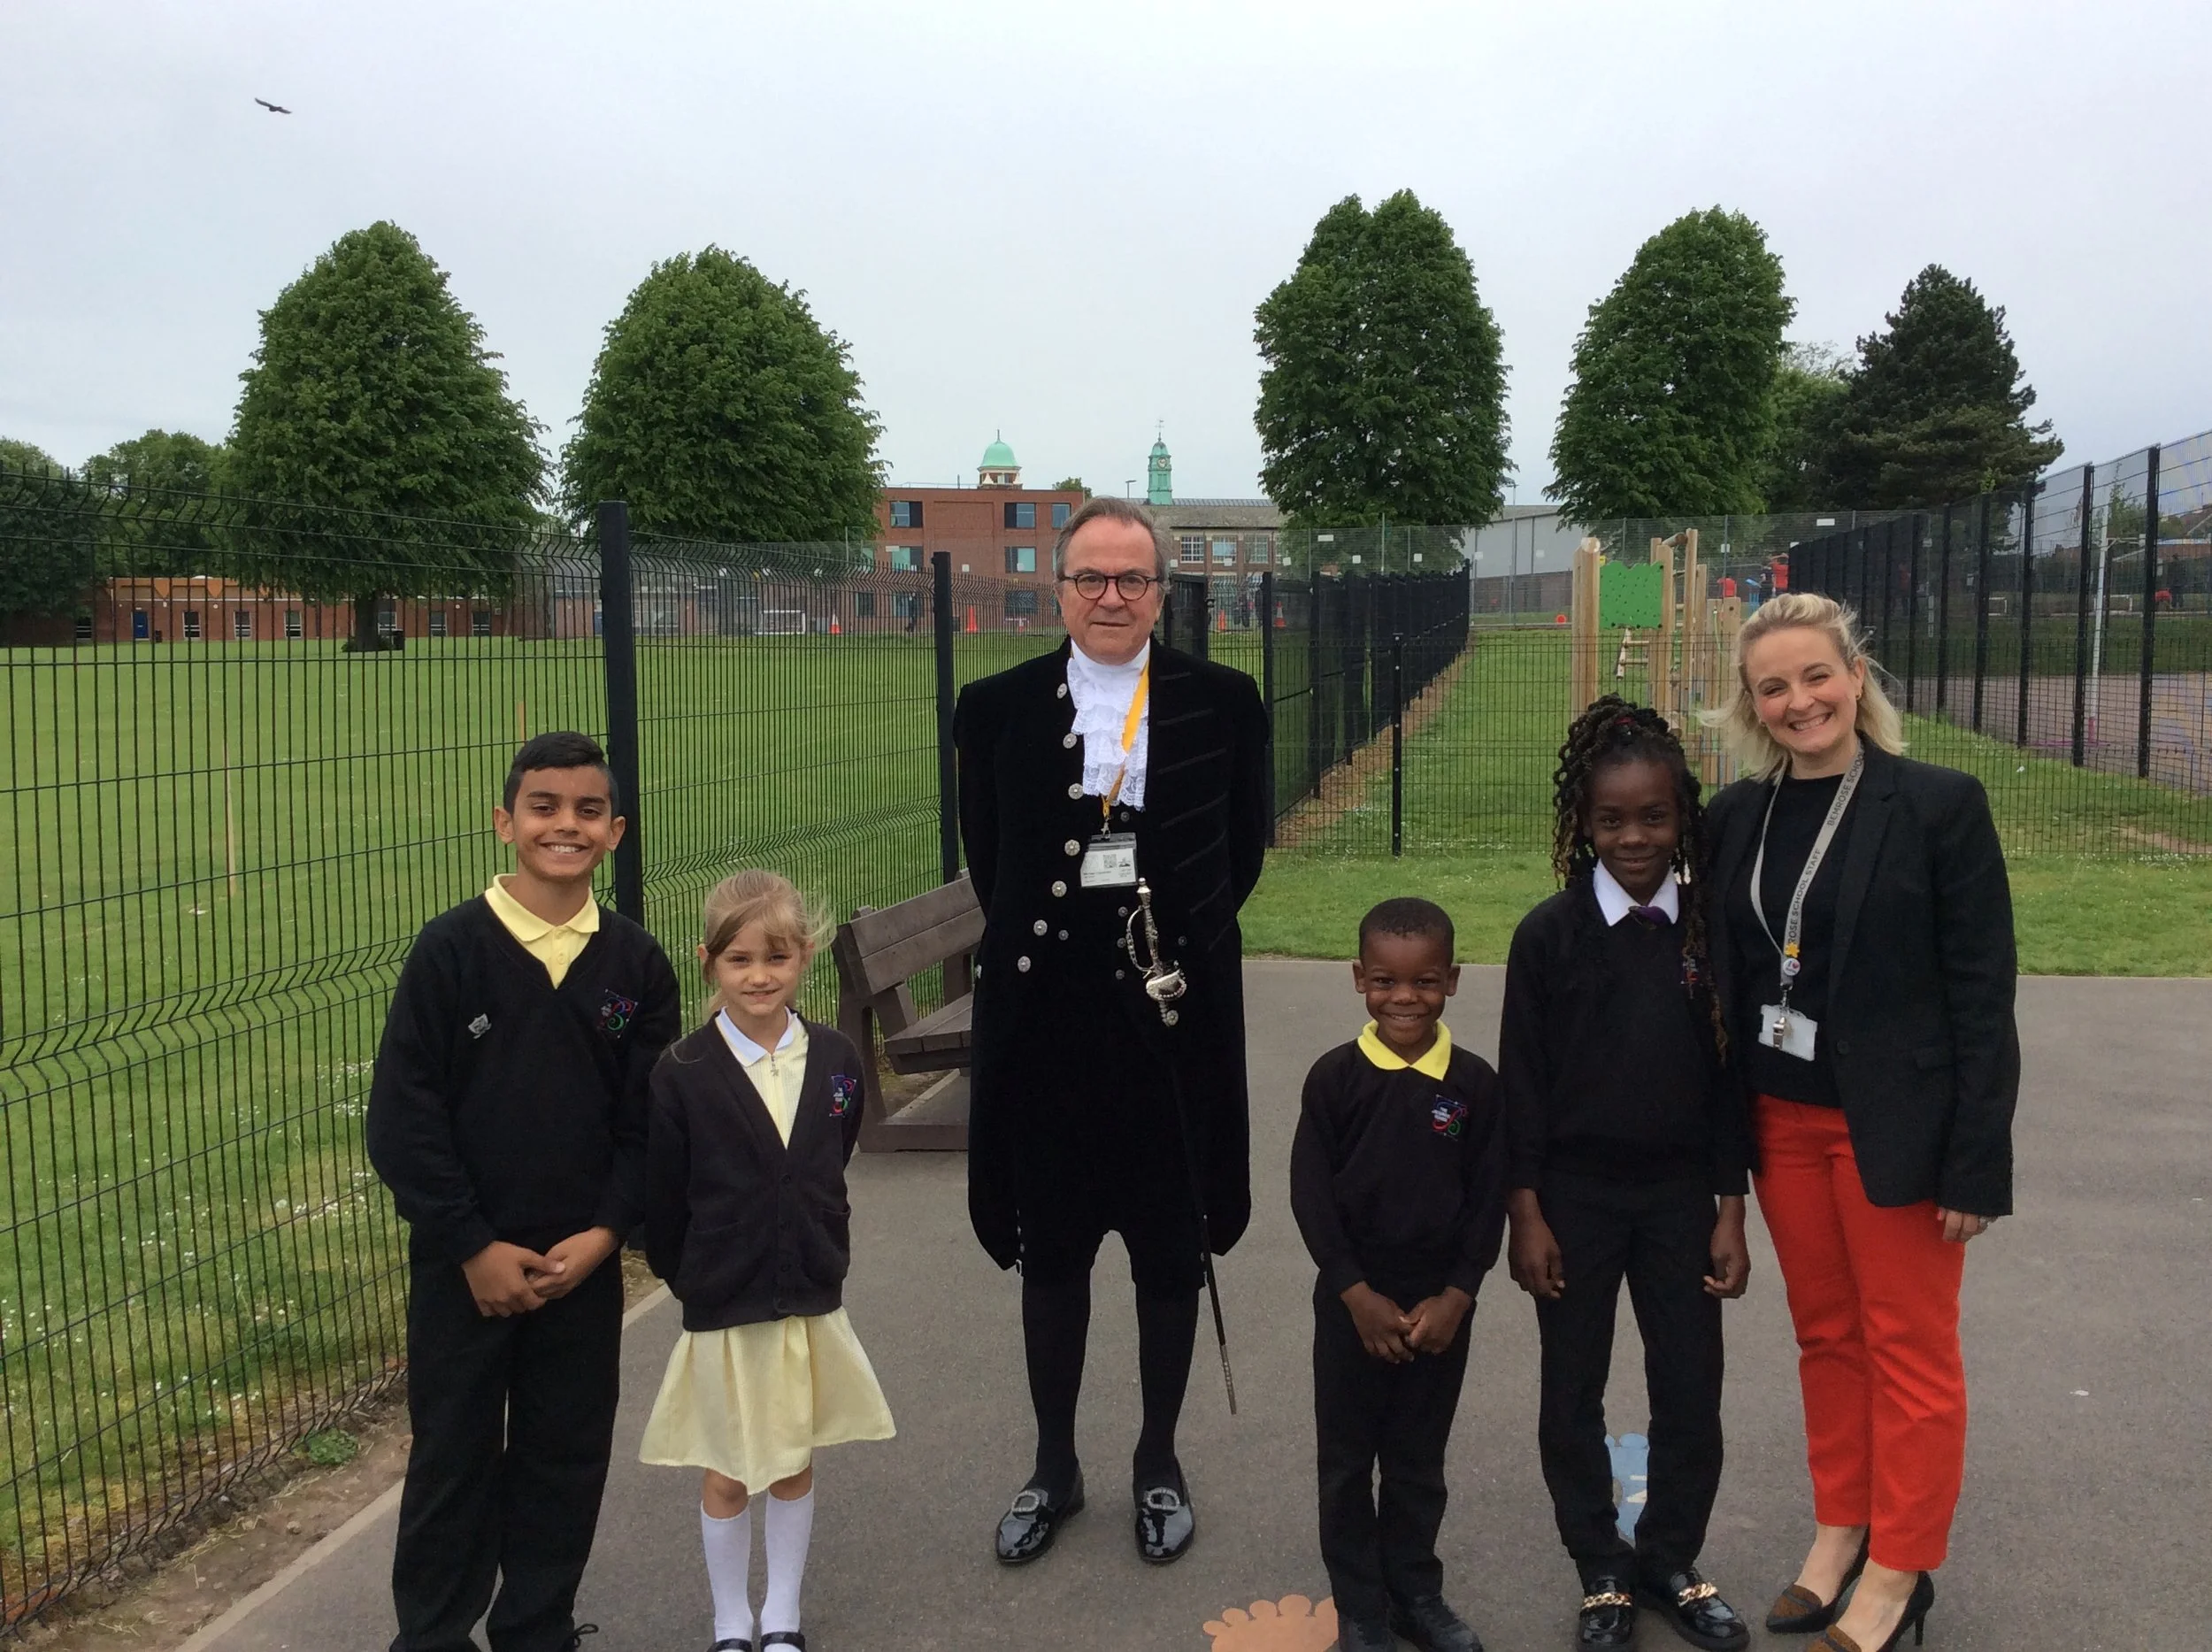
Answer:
(1101, 695)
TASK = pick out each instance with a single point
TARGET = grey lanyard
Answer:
(1793, 926)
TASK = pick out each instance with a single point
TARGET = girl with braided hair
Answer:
(1627, 1153)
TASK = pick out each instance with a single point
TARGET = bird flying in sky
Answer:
(275, 108)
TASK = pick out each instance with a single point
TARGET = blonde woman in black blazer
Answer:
(1881, 1087)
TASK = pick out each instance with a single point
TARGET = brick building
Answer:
(998, 528)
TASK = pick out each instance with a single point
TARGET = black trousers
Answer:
(1369, 1414)
(1658, 1239)
(514, 1422)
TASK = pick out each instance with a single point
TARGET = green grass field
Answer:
(223, 851)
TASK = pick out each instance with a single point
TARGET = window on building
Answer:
(906, 558)
(1021, 604)
(387, 621)
(84, 628)
(864, 605)
(1061, 512)
(1021, 559)
(192, 624)
(1021, 515)
(1193, 548)
(906, 604)
(242, 625)
(906, 513)
(1260, 547)
(293, 628)
(437, 622)
(480, 622)
(1225, 550)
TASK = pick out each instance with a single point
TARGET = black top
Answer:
(1799, 809)
(743, 1227)
(1608, 1056)
(504, 1107)
(1201, 837)
(1399, 1179)
(1919, 1028)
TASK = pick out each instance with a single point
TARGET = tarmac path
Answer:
(2088, 1511)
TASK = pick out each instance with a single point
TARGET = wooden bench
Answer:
(878, 955)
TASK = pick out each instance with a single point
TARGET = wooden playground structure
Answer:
(1653, 622)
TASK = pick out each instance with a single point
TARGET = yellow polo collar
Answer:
(1433, 1065)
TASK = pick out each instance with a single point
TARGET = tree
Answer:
(1808, 387)
(720, 409)
(1071, 484)
(1672, 409)
(373, 391)
(1936, 409)
(49, 548)
(157, 513)
(170, 461)
(1382, 389)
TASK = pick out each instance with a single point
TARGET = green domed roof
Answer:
(1159, 448)
(998, 457)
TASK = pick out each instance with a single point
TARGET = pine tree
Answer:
(1671, 408)
(1936, 409)
(1382, 395)
(720, 409)
(373, 391)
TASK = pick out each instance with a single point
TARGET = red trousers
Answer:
(1874, 1295)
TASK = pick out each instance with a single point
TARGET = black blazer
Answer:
(744, 1227)
(1920, 1024)
(1200, 838)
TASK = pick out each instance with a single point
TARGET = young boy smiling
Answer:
(1397, 1177)
(507, 1116)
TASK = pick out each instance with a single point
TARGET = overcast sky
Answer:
(1056, 220)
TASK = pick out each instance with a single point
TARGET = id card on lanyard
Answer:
(1109, 860)
(1780, 1027)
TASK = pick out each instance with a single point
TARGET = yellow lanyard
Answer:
(1128, 738)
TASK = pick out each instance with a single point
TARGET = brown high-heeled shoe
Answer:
(1916, 1618)
(1797, 1610)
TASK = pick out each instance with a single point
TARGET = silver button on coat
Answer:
(1075, 789)
(1068, 740)
(1039, 927)
(1058, 887)
(1073, 847)
(1022, 963)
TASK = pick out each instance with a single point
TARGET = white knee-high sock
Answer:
(729, 1550)
(788, 1528)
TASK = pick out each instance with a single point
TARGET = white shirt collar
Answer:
(1615, 901)
(744, 1047)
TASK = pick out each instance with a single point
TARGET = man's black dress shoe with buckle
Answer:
(1165, 1524)
(1431, 1624)
(1608, 1617)
(1029, 1526)
(1696, 1610)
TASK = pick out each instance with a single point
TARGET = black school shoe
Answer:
(1608, 1617)
(1166, 1522)
(1431, 1624)
(1027, 1529)
(1695, 1609)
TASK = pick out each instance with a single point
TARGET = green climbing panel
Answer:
(1630, 596)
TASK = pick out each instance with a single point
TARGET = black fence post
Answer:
(1397, 745)
(618, 627)
(1267, 689)
(947, 764)
(1943, 618)
(1313, 684)
(1915, 530)
(1981, 611)
(2027, 605)
(2081, 590)
(2150, 616)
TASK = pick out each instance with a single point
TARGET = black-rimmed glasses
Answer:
(1090, 584)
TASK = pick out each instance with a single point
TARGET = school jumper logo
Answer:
(615, 1011)
(1447, 1115)
(844, 1092)
(480, 1026)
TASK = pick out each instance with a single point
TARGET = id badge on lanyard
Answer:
(1791, 1031)
(1110, 862)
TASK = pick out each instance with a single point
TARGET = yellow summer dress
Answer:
(754, 1401)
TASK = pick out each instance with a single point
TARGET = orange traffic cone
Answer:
(1221, 620)
(835, 629)
(971, 619)
(1281, 624)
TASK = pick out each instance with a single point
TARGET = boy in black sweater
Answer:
(1396, 1178)
(1628, 1162)
(508, 1117)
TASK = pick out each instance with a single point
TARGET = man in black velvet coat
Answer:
(1095, 1107)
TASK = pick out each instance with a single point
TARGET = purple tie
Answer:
(1654, 917)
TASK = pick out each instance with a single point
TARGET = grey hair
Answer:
(1109, 508)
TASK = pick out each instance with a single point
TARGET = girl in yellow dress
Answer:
(754, 1115)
